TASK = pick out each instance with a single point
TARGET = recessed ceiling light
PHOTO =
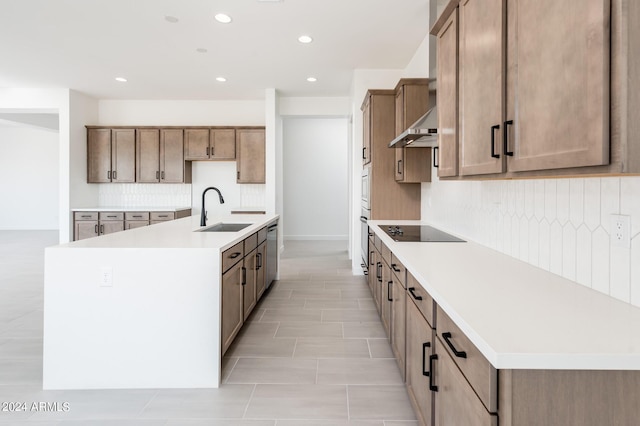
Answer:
(201, 50)
(221, 79)
(171, 19)
(222, 18)
(305, 39)
(312, 79)
(121, 79)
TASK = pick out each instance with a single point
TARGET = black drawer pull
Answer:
(460, 354)
(395, 267)
(436, 164)
(493, 141)
(86, 215)
(412, 290)
(364, 155)
(506, 138)
(425, 345)
(163, 215)
(432, 387)
(137, 215)
(234, 255)
(110, 215)
(389, 284)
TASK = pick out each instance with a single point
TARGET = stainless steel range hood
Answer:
(421, 134)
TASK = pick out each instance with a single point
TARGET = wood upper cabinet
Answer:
(250, 152)
(111, 155)
(557, 84)
(481, 86)
(148, 161)
(366, 130)
(413, 165)
(222, 143)
(209, 144)
(172, 165)
(447, 42)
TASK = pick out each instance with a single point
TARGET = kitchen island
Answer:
(138, 309)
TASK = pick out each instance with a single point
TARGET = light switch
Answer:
(106, 276)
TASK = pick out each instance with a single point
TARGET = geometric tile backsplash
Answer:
(561, 225)
(144, 195)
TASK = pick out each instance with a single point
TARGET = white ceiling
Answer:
(85, 44)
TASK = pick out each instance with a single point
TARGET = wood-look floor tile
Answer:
(298, 402)
(309, 330)
(331, 348)
(274, 371)
(379, 402)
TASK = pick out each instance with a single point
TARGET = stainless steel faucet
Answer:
(203, 213)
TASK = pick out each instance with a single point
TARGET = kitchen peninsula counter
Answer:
(138, 309)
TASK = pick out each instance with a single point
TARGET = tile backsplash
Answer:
(561, 225)
(144, 195)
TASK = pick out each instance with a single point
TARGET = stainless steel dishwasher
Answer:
(272, 253)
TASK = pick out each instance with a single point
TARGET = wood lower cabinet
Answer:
(111, 155)
(93, 224)
(232, 301)
(420, 345)
(386, 298)
(261, 270)
(398, 323)
(455, 400)
(85, 229)
(249, 291)
(111, 226)
(250, 155)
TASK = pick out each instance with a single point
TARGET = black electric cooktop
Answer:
(423, 233)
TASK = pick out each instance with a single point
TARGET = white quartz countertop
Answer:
(520, 316)
(179, 233)
(131, 209)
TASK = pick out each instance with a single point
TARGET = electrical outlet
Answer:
(106, 276)
(620, 231)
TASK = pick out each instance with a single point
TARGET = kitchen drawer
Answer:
(250, 243)
(423, 301)
(475, 367)
(85, 215)
(262, 235)
(162, 215)
(232, 256)
(386, 253)
(399, 270)
(136, 215)
(111, 216)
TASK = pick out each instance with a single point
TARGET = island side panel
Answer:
(157, 326)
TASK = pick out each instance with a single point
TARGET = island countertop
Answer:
(520, 316)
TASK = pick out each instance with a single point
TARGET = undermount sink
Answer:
(226, 227)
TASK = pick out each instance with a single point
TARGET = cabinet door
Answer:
(171, 156)
(398, 323)
(455, 402)
(232, 316)
(85, 229)
(419, 350)
(123, 155)
(249, 284)
(250, 151)
(558, 83)
(366, 131)
(109, 227)
(400, 166)
(448, 97)
(377, 284)
(261, 275)
(223, 144)
(196, 144)
(386, 299)
(98, 155)
(148, 161)
(481, 86)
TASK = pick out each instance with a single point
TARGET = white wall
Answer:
(29, 173)
(315, 178)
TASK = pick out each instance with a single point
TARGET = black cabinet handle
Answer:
(136, 215)
(162, 175)
(102, 229)
(163, 215)
(244, 276)
(364, 156)
(95, 230)
(412, 290)
(258, 261)
(425, 345)
(158, 175)
(115, 174)
(399, 170)
(234, 255)
(395, 267)
(505, 138)
(211, 152)
(460, 354)
(493, 141)
(389, 298)
(363, 219)
(432, 387)
(86, 216)
(207, 150)
(109, 175)
(435, 157)
(371, 258)
(110, 215)
(379, 271)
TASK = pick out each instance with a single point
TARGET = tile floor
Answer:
(313, 353)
